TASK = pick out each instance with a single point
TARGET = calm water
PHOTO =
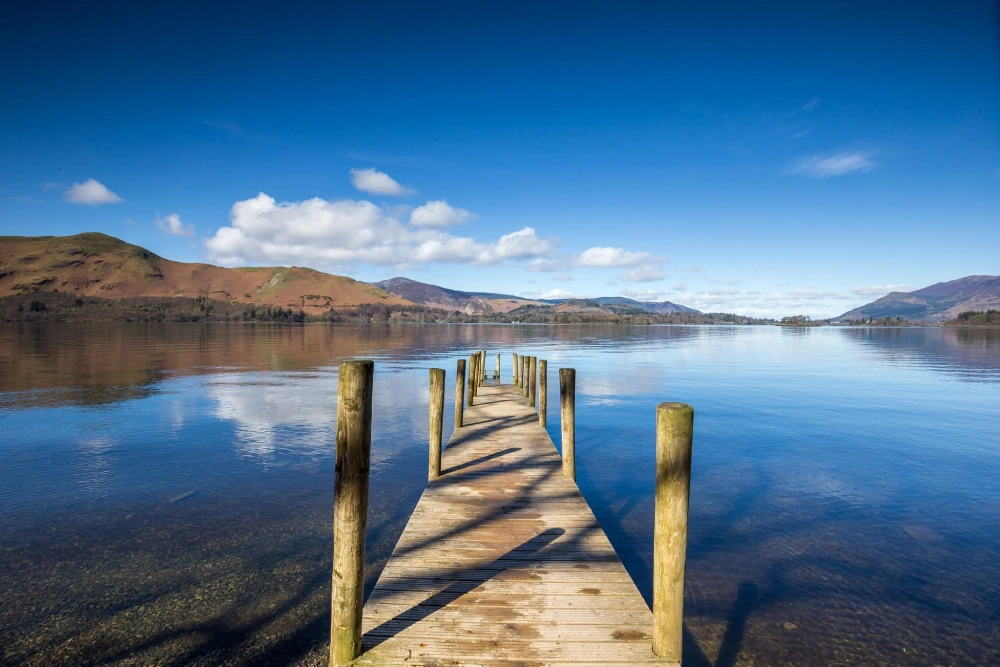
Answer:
(166, 490)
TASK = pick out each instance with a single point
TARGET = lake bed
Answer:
(166, 491)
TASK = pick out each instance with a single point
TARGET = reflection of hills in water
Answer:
(97, 363)
(101, 363)
(970, 354)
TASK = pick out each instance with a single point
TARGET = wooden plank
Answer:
(503, 562)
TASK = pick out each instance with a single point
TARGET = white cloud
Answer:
(92, 193)
(439, 214)
(556, 294)
(375, 182)
(562, 277)
(644, 274)
(880, 290)
(544, 264)
(680, 287)
(836, 164)
(611, 258)
(172, 224)
(343, 232)
(776, 304)
(643, 295)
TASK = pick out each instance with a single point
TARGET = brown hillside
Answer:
(94, 264)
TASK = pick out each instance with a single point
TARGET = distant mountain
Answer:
(937, 303)
(470, 303)
(97, 265)
(661, 307)
(94, 264)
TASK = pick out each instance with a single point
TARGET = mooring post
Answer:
(459, 393)
(473, 361)
(472, 379)
(527, 377)
(567, 396)
(479, 374)
(496, 375)
(520, 370)
(532, 379)
(473, 373)
(484, 367)
(437, 422)
(543, 392)
(674, 431)
(350, 507)
(513, 367)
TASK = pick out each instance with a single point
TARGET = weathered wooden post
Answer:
(350, 507)
(543, 392)
(479, 370)
(567, 395)
(437, 422)
(674, 431)
(474, 374)
(473, 362)
(533, 361)
(525, 386)
(496, 375)
(513, 367)
(459, 393)
(472, 379)
(520, 370)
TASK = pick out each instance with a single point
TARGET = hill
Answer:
(937, 303)
(661, 307)
(470, 303)
(97, 265)
(477, 303)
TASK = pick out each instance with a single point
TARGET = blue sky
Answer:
(785, 158)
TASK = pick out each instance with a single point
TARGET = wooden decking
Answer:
(503, 562)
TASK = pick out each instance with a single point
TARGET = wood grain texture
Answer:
(503, 562)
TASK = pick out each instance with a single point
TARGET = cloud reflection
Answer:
(296, 413)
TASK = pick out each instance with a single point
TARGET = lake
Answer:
(166, 491)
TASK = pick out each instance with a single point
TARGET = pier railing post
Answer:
(350, 507)
(543, 392)
(482, 370)
(527, 377)
(674, 430)
(437, 423)
(520, 371)
(513, 367)
(533, 361)
(474, 374)
(459, 393)
(479, 374)
(567, 396)
(472, 380)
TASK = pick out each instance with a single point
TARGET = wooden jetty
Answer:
(502, 560)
